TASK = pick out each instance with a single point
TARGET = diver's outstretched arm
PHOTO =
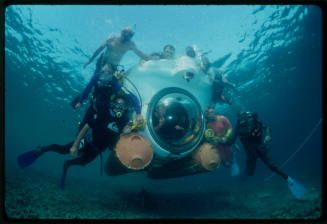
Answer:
(139, 53)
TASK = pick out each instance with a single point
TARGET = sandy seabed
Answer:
(37, 196)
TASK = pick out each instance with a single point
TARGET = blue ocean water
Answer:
(272, 53)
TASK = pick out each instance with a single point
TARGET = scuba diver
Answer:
(219, 126)
(106, 87)
(218, 85)
(106, 123)
(219, 82)
(106, 78)
(250, 131)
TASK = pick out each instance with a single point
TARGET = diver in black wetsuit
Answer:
(250, 130)
(218, 86)
(107, 122)
(106, 84)
(106, 78)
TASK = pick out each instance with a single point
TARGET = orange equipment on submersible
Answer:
(134, 151)
(208, 156)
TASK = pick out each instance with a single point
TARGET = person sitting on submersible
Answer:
(251, 132)
(106, 123)
(167, 53)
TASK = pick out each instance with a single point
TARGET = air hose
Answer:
(125, 77)
(138, 93)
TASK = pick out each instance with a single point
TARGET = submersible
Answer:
(172, 106)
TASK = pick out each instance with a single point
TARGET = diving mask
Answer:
(118, 108)
(127, 34)
(210, 114)
(247, 117)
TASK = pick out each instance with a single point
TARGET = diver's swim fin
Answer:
(27, 158)
(235, 170)
(296, 188)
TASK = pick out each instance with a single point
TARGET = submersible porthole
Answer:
(175, 120)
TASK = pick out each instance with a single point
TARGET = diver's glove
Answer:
(119, 76)
(138, 125)
(221, 140)
(267, 139)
